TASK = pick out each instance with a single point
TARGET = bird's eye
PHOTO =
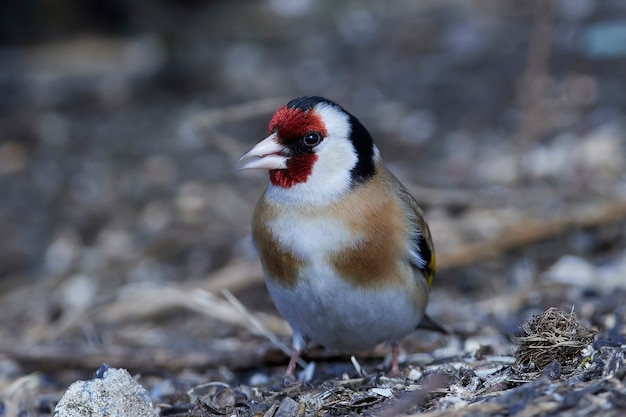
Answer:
(312, 138)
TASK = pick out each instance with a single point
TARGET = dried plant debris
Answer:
(451, 389)
(553, 337)
(347, 396)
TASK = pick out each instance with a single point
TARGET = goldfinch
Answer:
(347, 255)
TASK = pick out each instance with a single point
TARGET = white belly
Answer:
(337, 315)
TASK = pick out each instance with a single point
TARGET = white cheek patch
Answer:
(335, 121)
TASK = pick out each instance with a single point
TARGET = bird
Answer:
(347, 254)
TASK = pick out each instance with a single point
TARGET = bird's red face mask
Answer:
(280, 153)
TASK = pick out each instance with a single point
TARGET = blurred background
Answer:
(122, 211)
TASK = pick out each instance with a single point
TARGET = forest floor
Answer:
(124, 221)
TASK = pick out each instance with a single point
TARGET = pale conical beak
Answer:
(269, 155)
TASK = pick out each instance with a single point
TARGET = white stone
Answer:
(116, 394)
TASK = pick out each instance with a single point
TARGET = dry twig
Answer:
(532, 231)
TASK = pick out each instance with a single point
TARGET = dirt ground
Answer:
(125, 222)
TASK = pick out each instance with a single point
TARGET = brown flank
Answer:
(373, 214)
(280, 265)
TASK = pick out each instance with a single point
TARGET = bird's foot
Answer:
(395, 368)
(290, 376)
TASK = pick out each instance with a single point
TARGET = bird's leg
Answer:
(291, 368)
(395, 369)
